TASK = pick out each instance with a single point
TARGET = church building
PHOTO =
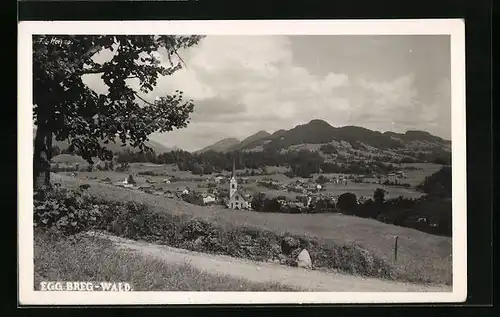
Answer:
(237, 198)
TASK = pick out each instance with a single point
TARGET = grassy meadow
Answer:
(421, 256)
(187, 179)
(85, 258)
(416, 176)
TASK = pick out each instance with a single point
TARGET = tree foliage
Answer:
(66, 108)
(301, 163)
(347, 202)
(438, 184)
(379, 195)
(257, 202)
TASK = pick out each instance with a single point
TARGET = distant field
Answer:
(420, 254)
(366, 190)
(415, 177)
(360, 189)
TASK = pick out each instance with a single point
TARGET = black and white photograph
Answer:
(242, 162)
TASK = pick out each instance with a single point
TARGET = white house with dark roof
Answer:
(208, 199)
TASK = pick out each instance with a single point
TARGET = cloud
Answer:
(396, 105)
(217, 110)
(243, 84)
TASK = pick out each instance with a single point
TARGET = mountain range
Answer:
(312, 136)
(117, 147)
(319, 132)
(232, 144)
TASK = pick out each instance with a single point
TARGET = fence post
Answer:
(396, 248)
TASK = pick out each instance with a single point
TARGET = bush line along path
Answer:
(264, 273)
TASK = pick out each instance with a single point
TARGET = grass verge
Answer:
(81, 258)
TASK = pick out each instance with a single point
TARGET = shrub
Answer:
(379, 195)
(193, 198)
(323, 205)
(347, 202)
(271, 205)
(65, 210)
(368, 209)
(123, 167)
(258, 201)
(322, 180)
(131, 179)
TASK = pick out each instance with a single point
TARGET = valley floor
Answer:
(421, 257)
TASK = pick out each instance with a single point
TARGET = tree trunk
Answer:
(41, 157)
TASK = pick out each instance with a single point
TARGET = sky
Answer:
(243, 84)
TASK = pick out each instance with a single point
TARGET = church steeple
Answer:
(233, 174)
(233, 183)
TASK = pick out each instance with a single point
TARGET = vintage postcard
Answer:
(242, 162)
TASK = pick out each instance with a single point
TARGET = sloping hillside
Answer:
(117, 147)
(221, 146)
(69, 159)
(312, 135)
(414, 135)
(251, 139)
(420, 254)
(320, 132)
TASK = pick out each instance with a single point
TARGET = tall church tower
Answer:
(233, 184)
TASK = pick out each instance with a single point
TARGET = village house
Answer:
(281, 201)
(335, 199)
(304, 201)
(297, 204)
(308, 201)
(340, 180)
(213, 191)
(184, 191)
(362, 199)
(297, 189)
(218, 179)
(314, 187)
(237, 198)
(391, 177)
(208, 199)
(106, 180)
(275, 184)
(146, 186)
(169, 195)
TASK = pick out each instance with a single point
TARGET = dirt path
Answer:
(267, 272)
